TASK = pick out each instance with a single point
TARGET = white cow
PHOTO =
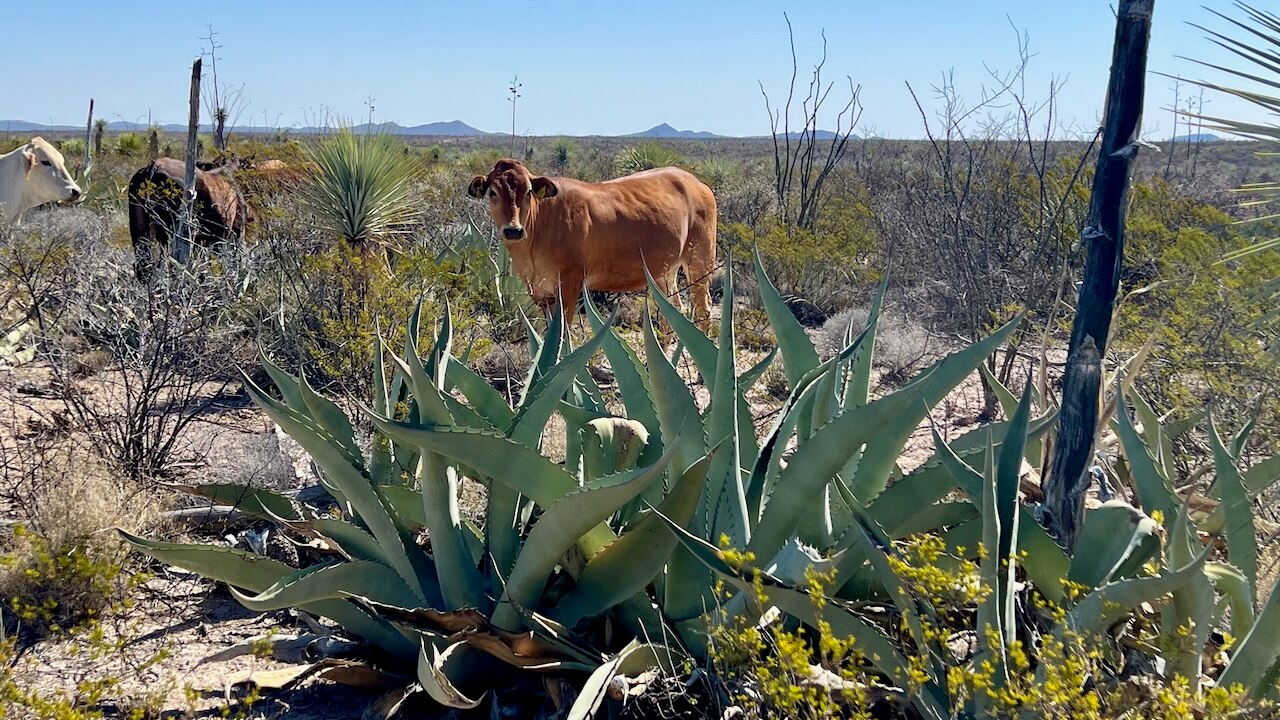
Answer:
(32, 175)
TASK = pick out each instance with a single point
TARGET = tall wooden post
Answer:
(1103, 235)
(182, 239)
(88, 138)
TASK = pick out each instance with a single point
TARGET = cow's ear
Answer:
(29, 155)
(477, 187)
(544, 188)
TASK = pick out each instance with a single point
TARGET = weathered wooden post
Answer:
(186, 229)
(1103, 235)
(88, 138)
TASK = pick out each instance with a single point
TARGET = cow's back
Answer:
(619, 226)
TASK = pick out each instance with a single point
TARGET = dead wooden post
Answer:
(186, 229)
(1103, 235)
(88, 135)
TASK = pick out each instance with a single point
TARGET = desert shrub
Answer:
(349, 298)
(647, 156)
(71, 148)
(129, 144)
(1212, 346)
(827, 265)
(481, 161)
(903, 345)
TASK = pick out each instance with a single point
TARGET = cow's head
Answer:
(511, 191)
(47, 179)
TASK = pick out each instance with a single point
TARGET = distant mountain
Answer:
(1196, 137)
(453, 128)
(666, 131)
(817, 134)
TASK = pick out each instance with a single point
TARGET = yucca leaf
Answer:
(362, 191)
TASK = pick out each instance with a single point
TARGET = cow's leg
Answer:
(699, 265)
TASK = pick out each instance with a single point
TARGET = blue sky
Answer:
(587, 67)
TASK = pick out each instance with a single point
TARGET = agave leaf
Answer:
(992, 621)
(351, 539)
(1117, 534)
(460, 581)
(1154, 492)
(697, 344)
(1239, 594)
(726, 492)
(1159, 444)
(329, 582)
(353, 484)
(794, 408)
(259, 502)
(628, 565)
(541, 401)
(883, 426)
(406, 503)
(489, 454)
(798, 353)
(858, 391)
(753, 374)
(1257, 654)
(256, 573)
(1099, 609)
(284, 382)
(1241, 533)
(484, 399)
(438, 673)
(634, 659)
(546, 351)
(1009, 404)
(1008, 469)
(1262, 476)
(676, 408)
(332, 419)
(560, 527)
(632, 377)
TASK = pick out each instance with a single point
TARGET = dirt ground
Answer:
(202, 633)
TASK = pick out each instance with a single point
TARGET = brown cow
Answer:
(561, 231)
(155, 208)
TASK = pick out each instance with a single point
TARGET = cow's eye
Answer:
(493, 194)
(46, 162)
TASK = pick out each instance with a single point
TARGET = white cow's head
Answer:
(47, 179)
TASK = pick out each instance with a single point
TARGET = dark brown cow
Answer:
(561, 232)
(155, 209)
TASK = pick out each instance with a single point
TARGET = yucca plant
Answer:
(362, 189)
(646, 156)
(1260, 30)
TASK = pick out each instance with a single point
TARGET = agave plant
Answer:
(361, 191)
(606, 563)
